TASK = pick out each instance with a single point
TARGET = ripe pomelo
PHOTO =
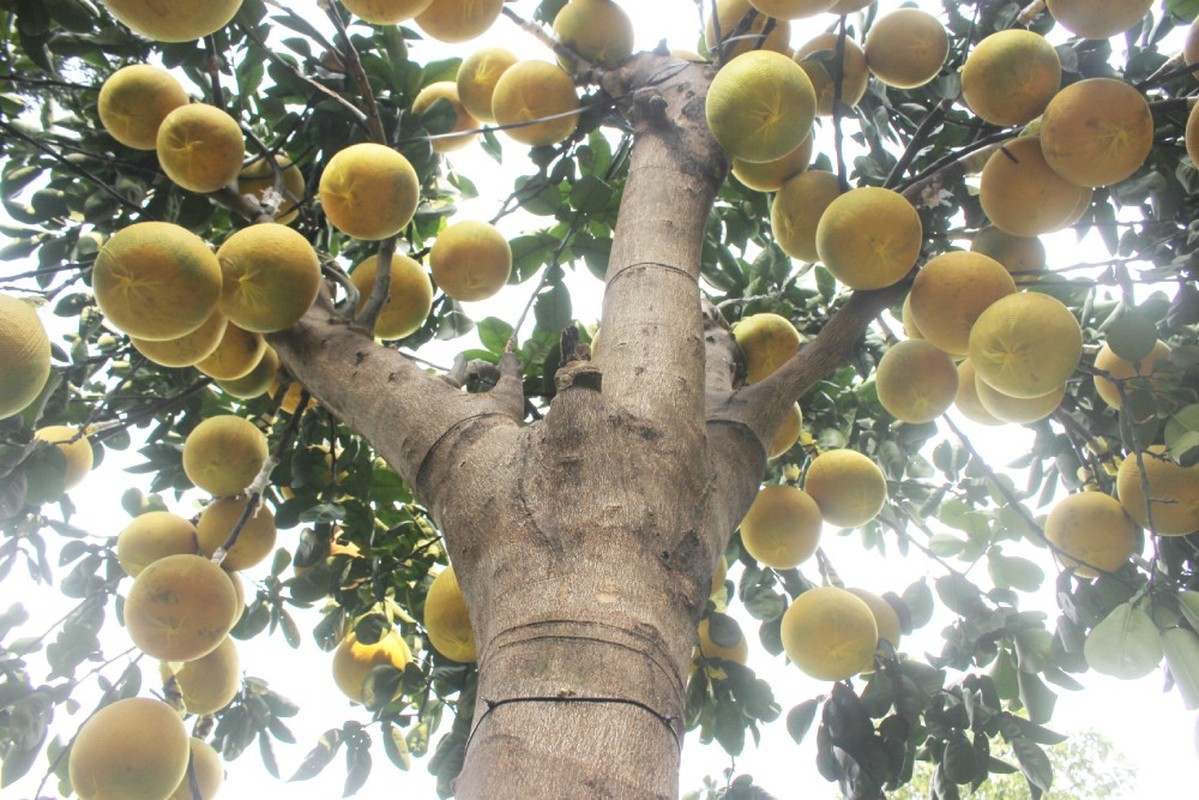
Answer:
(849, 488)
(190, 348)
(949, 293)
(869, 237)
(1026, 344)
(829, 633)
(369, 191)
(885, 616)
(818, 58)
(77, 451)
(791, 9)
(180, 607)
(787, 434)
(258, 178)
(135, 100)
(1174, 491)
(470, 260)
(1022, 256)
(1098, 19)
(781, 529)
(200, 148)
(768, 341)
(1022, 195)
(477, 77)
(156, 280)
(447, 620)
(257, 381)
(463, 121)
(254, 542)
(133, 748)
(760, 106)
(1097, 131)
(769, 176)
(178, 21)
(1107, 360)
(916, 382)
(532, 90)
(797, 208)
(386, 12)
(459, 20)
(967, 400)
(209, 769)
(1091, 532)
(223, 454)
(598, 30)
(738, 652)
(270, 275)
(1009, 76)
(353, 661)
(408, 301)
(238, 352)
(1192, 134)
(208, 683)
(729, 14)
(154, 535)
(1018, 410)
(24, 355)
(905, 48)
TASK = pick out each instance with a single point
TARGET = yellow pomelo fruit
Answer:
(208, 683)
(769, 176)
(135, 100)
(470, 260)
(257, 381)
(1098, 19)
(189, 349)
(1097, 131)
(369, 191)
(463, 121)
(133, 748)
(238, 352)
(1025, 344)
(1091, 532)
(950, 292)
(255, 541)
(223, 454)
(447, 620)
(209, 769)
(239, 591)
(709, 649)
(818, 58)
(1174, 491)
(290, 403)
(386, 12)
(1009, 76)
(1018, 410)
(156, 280)
(459, 20)
(24, 355)
(849, 488)
(829, 633)
(768, 341)
(760, 106)
(791, 9)
(409, 300)
(477, 77)
(869, 237)
(967, 400)
(154, 535)
(534, 90)
(180, 607)
(200, 148)
(916, 382)
(885, 616)
(353, 661)
(1192, 134)
(782, 527)
(1022, 195)
(177, 21)
(270, 275)
(258, 178)
(729, 14)
(77, 451)
(906, 48)
(1107, 360)
(598, 30)
(910, 328)
(1023, 256)
(797, 209)
(787, 434)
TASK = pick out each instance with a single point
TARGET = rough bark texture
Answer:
(585, 542)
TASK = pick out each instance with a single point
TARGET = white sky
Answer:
(1150, 727)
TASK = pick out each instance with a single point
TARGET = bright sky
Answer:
(1150, 726)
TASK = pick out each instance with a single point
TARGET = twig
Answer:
(374, 122)
(380, 290)
(212, 63)
(580, 67)
(929, 122)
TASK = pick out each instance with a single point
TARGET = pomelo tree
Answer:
(756, 247)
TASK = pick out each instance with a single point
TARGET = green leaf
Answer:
(1132, 336)
(1188, 603)
(1125, 645)
(919, 600)
(730, 726)
(494, 334)
(1014, 572)
(1038, 699)
(590, 195)
(960, 595)
(358, 769)
(319, 757)
(553, 308)
(1033, 762)
(395, 744)
(1182, 656)
(723, 630)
